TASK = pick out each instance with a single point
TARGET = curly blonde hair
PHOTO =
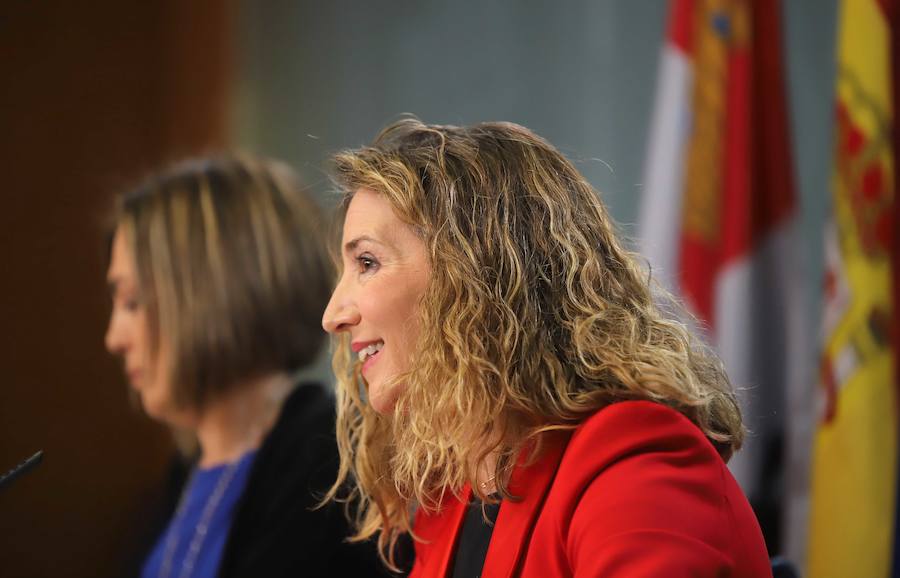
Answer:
(535, 317)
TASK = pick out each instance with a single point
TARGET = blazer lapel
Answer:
(512, 532)
(441, 531)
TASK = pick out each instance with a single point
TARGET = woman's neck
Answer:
(486, 470)
(237, 422)
(485, 474)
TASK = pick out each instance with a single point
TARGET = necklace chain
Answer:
(200, 531)
(486, 485)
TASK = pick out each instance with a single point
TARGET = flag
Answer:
(854, 478)
(719, 209)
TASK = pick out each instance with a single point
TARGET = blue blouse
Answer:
(199, 503)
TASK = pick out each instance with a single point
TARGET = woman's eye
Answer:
(366, 263)
(131, 305)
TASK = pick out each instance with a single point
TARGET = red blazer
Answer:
(637, 490)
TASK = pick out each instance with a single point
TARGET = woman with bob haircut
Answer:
(510, 394)
(219, 277)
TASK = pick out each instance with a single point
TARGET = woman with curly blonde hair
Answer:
(510, 393)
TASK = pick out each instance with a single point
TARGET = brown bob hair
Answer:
(231, 268)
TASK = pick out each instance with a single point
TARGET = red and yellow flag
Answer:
(854, 475)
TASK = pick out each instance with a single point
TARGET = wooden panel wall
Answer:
(92, 95)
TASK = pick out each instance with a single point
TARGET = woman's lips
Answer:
(134, 377)
(370, 360)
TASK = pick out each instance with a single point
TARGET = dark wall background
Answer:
(93, 94)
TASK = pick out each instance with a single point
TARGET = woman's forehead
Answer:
(371, 220)
(370, 216)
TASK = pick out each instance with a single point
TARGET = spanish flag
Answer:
(854, 473)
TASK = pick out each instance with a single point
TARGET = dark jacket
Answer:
(276, 529)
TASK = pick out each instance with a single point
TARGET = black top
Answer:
(474, 539)
(276, 531)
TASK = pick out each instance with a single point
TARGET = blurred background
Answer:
(96, 94)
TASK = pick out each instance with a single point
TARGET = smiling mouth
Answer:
(370, 351)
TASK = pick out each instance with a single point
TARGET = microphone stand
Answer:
(20, 469)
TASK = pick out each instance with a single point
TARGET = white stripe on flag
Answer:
(760, 338)
(659, 221)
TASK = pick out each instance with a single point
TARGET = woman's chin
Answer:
(164, 411)
(382, 401)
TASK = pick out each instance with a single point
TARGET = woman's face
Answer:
(385, 273)
(128, 336)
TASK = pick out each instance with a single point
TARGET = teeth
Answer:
(370, 350)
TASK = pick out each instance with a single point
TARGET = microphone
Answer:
(20, 469)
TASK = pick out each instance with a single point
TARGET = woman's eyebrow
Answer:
(116, 286)
(352, 244)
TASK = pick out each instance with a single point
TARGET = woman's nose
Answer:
(115, 336)
(341, 313)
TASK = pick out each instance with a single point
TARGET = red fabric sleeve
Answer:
(655, 499)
